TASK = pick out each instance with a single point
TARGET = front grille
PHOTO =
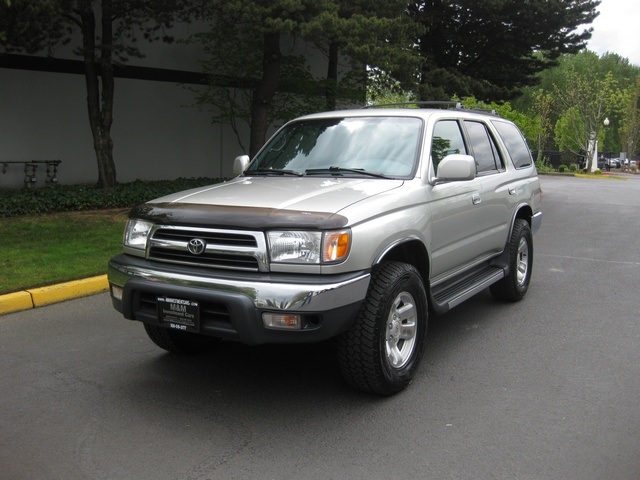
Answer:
(210, 236)
(237, 262)
(227, 249)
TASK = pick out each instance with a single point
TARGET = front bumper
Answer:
(233, 302)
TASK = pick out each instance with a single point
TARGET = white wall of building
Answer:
(157, 133)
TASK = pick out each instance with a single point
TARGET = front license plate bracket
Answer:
(179, 314)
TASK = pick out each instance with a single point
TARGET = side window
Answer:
(515, 143)
(484, 148)
(447, 139)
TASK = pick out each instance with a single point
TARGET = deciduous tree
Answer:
(589, 65)
(587, 100)
(543, 107)
(630, 129)
(106, 30)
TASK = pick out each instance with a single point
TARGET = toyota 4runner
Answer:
(351, 224)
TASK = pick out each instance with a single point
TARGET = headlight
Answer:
(295, 247)
(304, 247)
(136, 233)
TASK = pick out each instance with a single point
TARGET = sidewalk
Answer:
(38, 297)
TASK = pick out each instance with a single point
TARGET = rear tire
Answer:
(381, 352)
(179, 342)
(514, 286)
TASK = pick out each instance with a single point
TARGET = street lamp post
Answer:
(604, 143)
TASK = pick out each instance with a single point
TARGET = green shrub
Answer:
(597, 171)
(562, 168)
(64, 198)
(543, 165)
(573, 167)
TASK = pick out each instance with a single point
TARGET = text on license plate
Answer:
(179, 313)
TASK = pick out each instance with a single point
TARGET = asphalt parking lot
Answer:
(545, 388)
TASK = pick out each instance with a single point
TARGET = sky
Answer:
(617, 29)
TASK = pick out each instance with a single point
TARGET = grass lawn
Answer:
(48, 249)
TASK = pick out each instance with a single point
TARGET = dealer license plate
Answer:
(179, 314)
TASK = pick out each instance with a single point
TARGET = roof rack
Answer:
(431, 104)
(444, 105)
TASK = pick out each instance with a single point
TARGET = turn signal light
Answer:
(336, 246)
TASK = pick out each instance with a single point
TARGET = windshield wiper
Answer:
(340, 170)
(275, 171)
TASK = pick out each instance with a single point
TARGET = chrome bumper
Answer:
(273, 293)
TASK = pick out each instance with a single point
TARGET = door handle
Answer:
(512, 190)
(475, 198)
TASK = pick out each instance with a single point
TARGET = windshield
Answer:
(380, 146)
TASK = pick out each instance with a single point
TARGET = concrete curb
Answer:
(38, 297)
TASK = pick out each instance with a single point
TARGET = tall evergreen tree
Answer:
(376, 34)
(246, 63)
(493, 48)
(253, 79)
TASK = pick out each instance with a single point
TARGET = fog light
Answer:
(116, 292)
(277, 320)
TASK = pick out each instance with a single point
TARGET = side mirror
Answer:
(456, 168)
(240, 165)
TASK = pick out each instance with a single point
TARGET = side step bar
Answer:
(445, 297)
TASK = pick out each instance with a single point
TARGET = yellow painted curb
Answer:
(15, 302)
(67, 291)
(37, 297)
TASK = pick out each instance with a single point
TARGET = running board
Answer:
(451, 294)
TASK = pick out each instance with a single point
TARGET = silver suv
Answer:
(350, 224)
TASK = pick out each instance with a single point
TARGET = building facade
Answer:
(157, 131)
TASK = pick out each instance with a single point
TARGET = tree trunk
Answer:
(265, 91)
(331, 89)
(100, 94)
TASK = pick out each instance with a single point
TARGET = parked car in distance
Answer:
(602, 163)
(613, 163)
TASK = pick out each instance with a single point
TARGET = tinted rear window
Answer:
(484, 149)
(516, 145)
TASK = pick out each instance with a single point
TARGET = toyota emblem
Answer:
(196, 246)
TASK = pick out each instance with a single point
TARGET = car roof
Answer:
(423, 113)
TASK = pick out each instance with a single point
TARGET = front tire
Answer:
(514, 286)
(179, 342)
(380, 353)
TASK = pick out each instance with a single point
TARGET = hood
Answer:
(304, 194)
(265, 202)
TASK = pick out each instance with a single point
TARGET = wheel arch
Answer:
(524, 212)
(411, 251)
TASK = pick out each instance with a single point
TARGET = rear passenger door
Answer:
(494, 205)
